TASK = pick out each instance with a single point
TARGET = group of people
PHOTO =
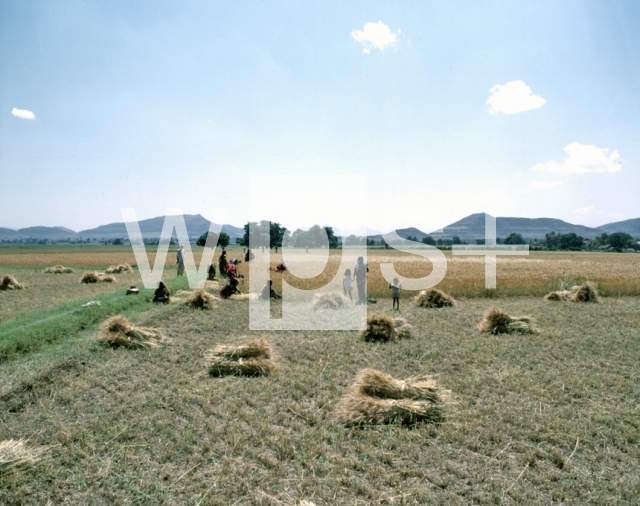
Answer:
(228, 268)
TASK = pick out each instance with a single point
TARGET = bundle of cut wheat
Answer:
(118, 331)
(106, 278)
(434, 298)
(11, 283)
(586, 292)
(418, 388)
(117, 269)
(201, 300)
(379, 328)
(243, 296)
(331, 300)
(377, 398)
(253, 358)
(403, 329)
(16, 455)
(496, 321)
(90, 277)
(559, 295)
(58, 269)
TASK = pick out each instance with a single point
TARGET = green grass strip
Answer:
(27, 335)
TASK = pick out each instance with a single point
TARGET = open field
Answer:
(536, 419)
(532, 275)
(548, 418)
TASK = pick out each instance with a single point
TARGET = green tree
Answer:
(428, 240)
(333, 240)
(620, 240)
(515, 239)
(210, 239)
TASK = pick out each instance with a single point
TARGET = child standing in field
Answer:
(346, 283)
(395, 292)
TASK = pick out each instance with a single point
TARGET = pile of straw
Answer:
(253, 358)
(95, 277)
(377, 398)
(16, 455)
(379, 328)
(434, 298)
(201, 300)
(403, 329)
(243, 296)
(331, 300)
(11, 283)
(58, 269)
(118, 331)
(559, 295)
(384, 328)
(496, 321)
(586, 292)
(117, 269)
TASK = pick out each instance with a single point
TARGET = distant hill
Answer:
(51, 233)
(472, 228)
(631, 227)
(150, 229)
(411, 232)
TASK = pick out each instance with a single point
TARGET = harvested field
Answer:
(534, 275)
(559, 410)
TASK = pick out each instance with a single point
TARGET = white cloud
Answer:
(583, 158)
(587, 211)
(23, 113)
(374, 35)
(515, 96)
(538, 185)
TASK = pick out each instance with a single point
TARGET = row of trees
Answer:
(273, 235)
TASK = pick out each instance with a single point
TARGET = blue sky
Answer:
(154, 105)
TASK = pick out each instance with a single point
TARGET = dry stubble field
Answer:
(542, 419)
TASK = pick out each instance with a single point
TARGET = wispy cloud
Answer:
(23, 113)
(538, 185)
(376, 35)
(513, 97)
(587, 211)
(583, 158)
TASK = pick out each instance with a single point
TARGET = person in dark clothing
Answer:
(360, 277)
(248, 256)
(162, 293)
(230, 288)
(268, 292)
(211, 272)
(223, 265)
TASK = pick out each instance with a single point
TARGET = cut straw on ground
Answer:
(58, 269)
(252, 358)
(11, 283)
(434, 298)
(201, 300)
(377, 398)
(497, 321)
(331, 300)
(118, 331)
(16, 455)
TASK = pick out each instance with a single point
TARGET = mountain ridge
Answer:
(468, 228)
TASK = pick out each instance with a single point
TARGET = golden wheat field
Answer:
(535, 274)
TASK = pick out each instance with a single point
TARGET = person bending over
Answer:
(268, 292)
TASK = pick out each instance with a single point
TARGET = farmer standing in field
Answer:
(180, 259)
(360, 277)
